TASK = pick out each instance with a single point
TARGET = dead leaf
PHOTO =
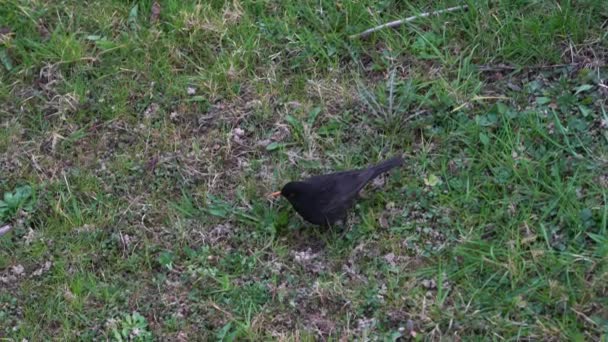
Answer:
(383, 222)
(125, 241)
(238, 135)
(364, 324)
(602, 180)
(305, 256)
(378, 182)
(47, 266)
(263, 143)
(432, 180)
(390, 258)
(239, 132)
(150, 112)
(513, 86)
(453, 167)
(182, 337)
(294, 104)
(155, 12)
(323, 325)
(528, 239)
(68, 295)
(17, 270)
(30, 236)
(253, 104)
(5, 35)
(429, 284)
(43, 31)
(151, 164)
(8, 279)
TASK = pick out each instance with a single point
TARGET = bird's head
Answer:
(292, 190)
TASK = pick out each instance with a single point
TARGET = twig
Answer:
(5, 229)
(585, 317)
(228, 314)
(399, 22)
(501, 67)
(479, 98)
(415, 115)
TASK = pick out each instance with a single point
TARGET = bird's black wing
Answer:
(341, 188)
(335, 193)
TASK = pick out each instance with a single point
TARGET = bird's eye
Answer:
(292, 194)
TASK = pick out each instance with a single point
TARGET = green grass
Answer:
(149, 146)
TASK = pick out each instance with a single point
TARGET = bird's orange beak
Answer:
(274, 194)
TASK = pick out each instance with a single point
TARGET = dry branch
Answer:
(399, 22)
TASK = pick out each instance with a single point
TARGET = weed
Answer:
(22, 198)
(132, 327)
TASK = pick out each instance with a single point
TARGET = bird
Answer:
(324, 200)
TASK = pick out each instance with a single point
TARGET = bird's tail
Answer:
(387, 165)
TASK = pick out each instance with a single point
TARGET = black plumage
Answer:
(326, 199)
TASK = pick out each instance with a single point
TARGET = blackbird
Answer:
(324, 200)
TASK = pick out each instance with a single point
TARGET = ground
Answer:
(138, 140)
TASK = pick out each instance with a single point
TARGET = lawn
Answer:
(138, 141)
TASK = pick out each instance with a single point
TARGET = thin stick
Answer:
(399, 22)
(486, 68)
(221, 310)
(415, 115)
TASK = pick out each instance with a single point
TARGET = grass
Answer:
(148, 142)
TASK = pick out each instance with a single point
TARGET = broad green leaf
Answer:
(273, 146)
(541, 100)
(501, 107)
(312, 116)
(583, 88)
(484, 138)
(6, 59)
(584, 110)
(132, 20)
